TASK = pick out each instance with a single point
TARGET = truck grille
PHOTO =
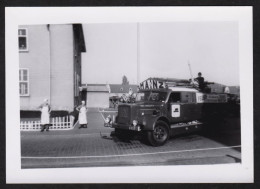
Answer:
(124, 114)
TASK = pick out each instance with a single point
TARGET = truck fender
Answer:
(162, 118)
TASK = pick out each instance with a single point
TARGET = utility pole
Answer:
(138, 53)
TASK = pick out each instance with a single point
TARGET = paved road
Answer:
(93, 146)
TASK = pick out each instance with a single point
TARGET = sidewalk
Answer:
(95, 126)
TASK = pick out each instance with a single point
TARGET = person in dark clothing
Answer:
(200, 81)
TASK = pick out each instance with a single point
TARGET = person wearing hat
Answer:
(45, 115)
(82, 115)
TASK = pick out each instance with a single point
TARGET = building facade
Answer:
(50, 65)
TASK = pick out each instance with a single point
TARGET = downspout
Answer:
(48, 26)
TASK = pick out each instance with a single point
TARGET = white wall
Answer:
(37, 60)
(62, 91)
(50, 63)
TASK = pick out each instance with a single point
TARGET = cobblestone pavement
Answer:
(93, 146)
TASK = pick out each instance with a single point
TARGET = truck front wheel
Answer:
(159, 135)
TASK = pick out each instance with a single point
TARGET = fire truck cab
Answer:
(165, 107)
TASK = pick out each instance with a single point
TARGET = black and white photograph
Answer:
(119, 91)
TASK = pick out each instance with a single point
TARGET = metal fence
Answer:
(57, 123)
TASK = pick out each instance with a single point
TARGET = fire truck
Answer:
(167, 107)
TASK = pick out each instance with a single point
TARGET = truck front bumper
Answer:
(126, 127)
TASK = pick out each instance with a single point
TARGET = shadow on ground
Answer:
(226, 131)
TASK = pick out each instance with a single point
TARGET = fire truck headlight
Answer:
(135, 122)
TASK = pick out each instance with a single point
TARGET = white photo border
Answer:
(228, 173)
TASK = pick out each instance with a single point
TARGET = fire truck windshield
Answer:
(151, 96)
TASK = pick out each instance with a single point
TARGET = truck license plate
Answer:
(137, 128)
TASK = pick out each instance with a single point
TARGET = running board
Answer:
(179, 125)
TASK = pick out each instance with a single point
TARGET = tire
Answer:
(159, 135)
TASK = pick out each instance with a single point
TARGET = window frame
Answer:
(170, 100)
(21, 81)
(192, 96)
(26, 37)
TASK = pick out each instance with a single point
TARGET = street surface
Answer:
(93, 146)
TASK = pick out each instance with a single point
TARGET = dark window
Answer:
(23, 39)
(183, 97)
(175, 97)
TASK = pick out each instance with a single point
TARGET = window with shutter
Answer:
(24, 82)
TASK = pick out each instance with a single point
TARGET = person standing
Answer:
(200, 81)
(82, 115)
(45, 115)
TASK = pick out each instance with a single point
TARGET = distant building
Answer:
(97, 95)
(234, 90)
(50, 65)
(119, 89)
(217, 88)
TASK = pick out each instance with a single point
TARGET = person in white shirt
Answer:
(82, 115)
(45, 115)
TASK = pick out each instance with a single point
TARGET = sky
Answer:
(165, 49)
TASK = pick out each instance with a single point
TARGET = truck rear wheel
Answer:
(159, 135)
